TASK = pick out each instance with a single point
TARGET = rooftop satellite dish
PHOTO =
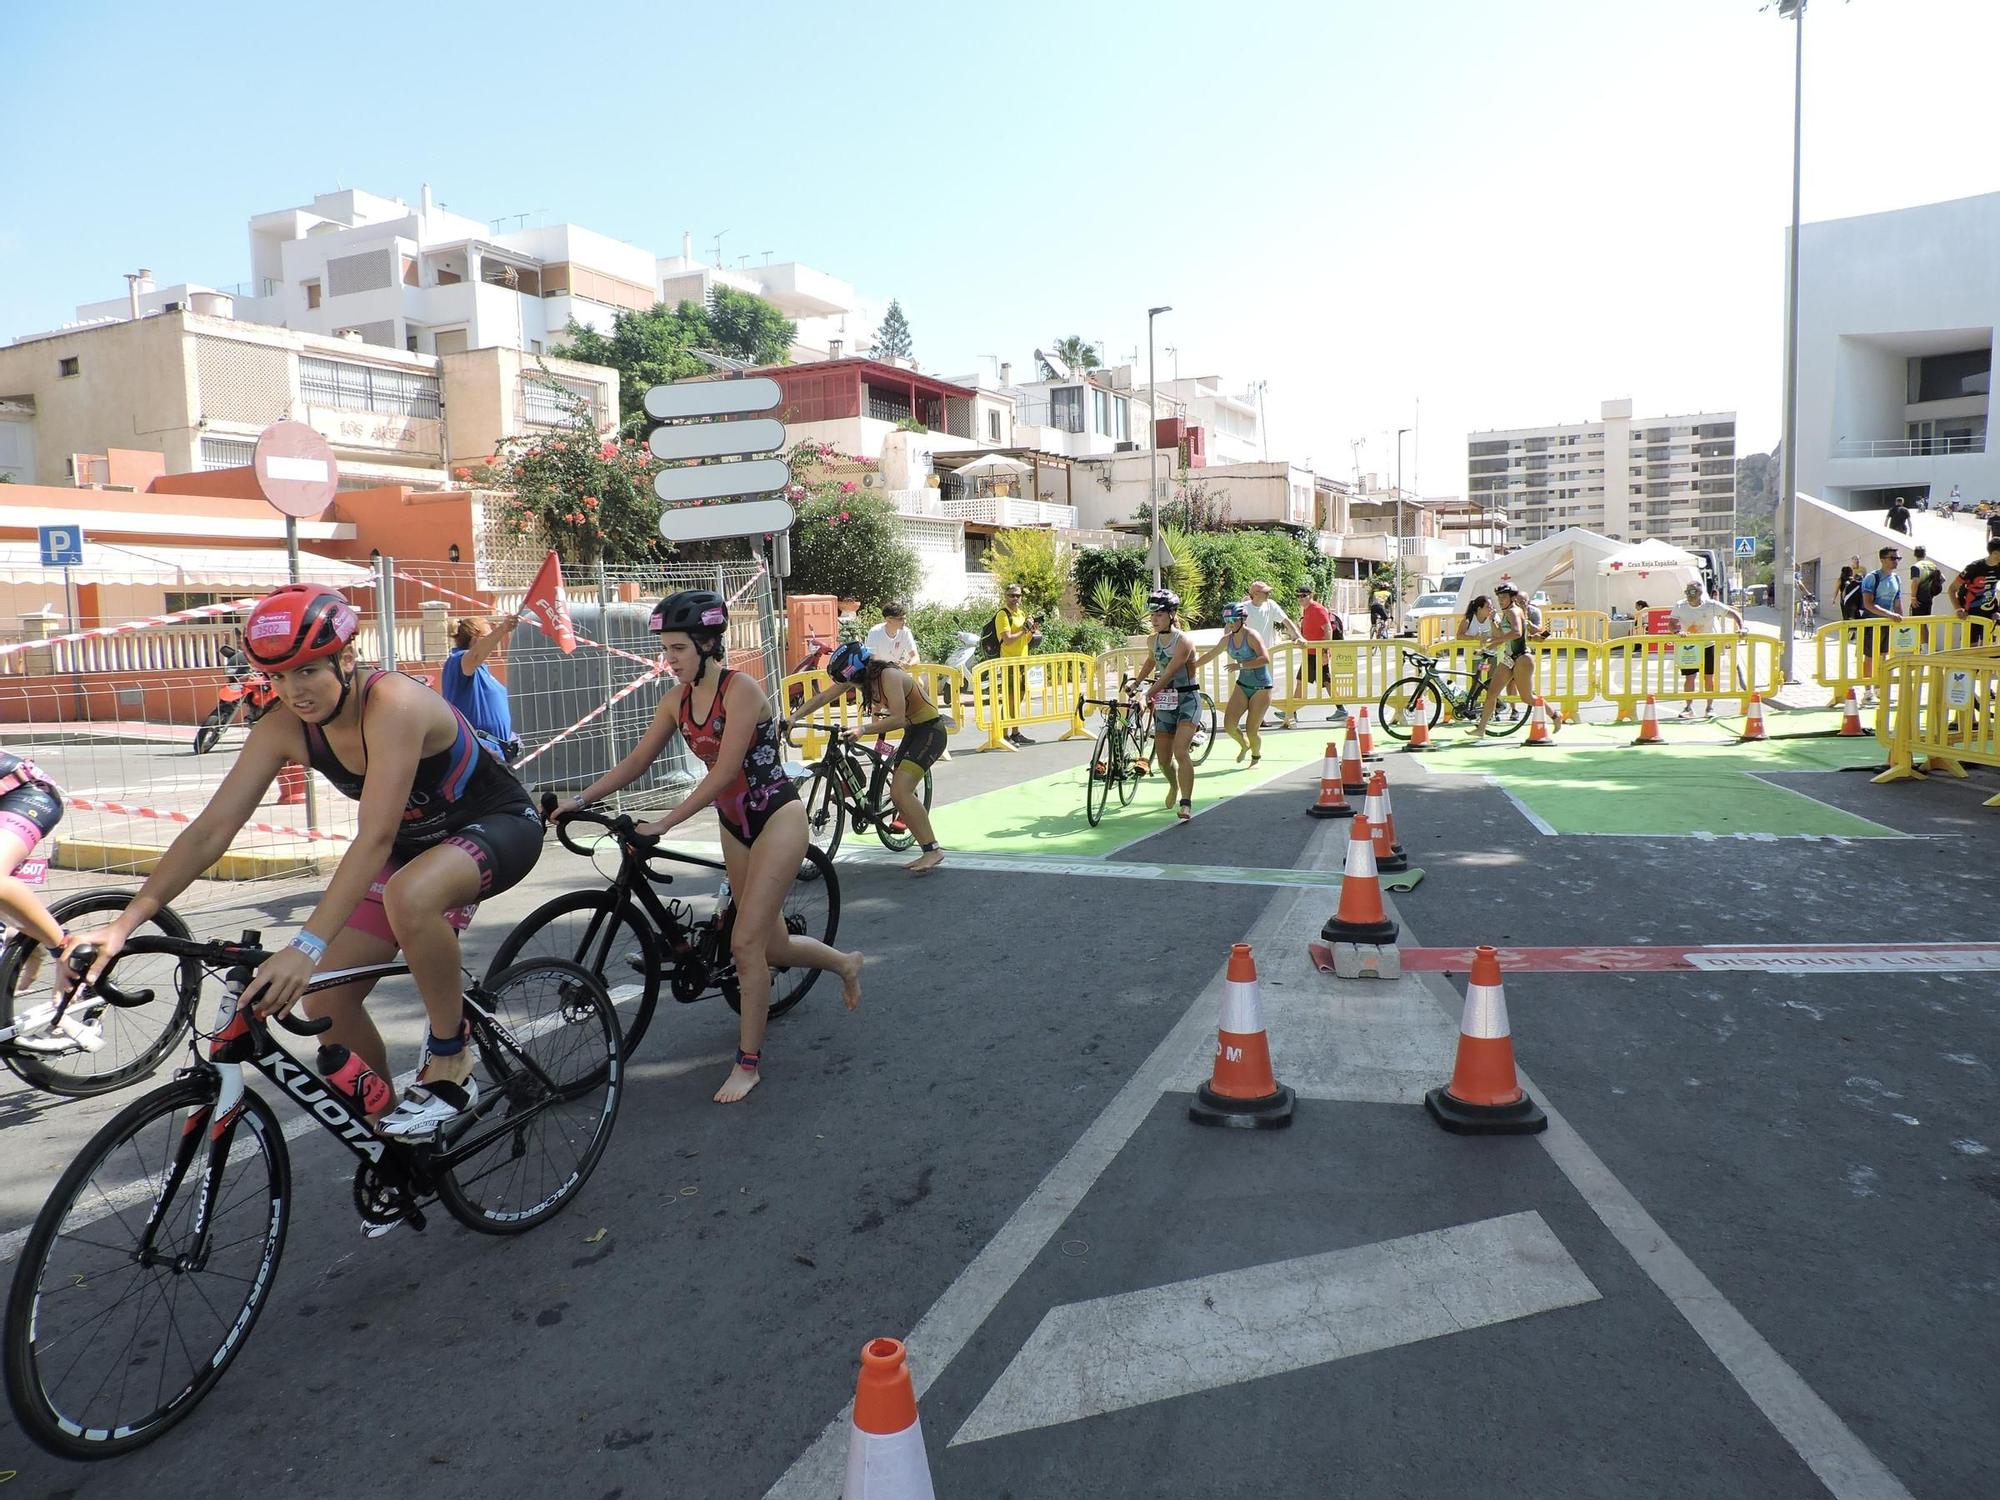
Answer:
(1057, 366)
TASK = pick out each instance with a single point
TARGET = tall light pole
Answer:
(1153, 438)
(1398, 574)
(1785, 543)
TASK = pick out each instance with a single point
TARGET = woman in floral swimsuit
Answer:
(728, 724)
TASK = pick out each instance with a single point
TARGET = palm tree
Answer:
(1076, 352)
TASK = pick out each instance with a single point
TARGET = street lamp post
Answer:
(1153, 438)
(1785, 544)
(1398, 573)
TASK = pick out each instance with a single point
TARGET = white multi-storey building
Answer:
(1232, 423)
(1670, 479)
(1896, 319)
(834, 322)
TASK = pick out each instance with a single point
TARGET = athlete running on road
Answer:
(899, 702)
(1252, 693)
(727, 723)
(30, 807)
(1175, 697)
(443, 824)
(1481, 624)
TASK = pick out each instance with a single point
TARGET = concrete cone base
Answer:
(1273, 1112)
(1378, 934)
(1522, 1117)
(1319, 810)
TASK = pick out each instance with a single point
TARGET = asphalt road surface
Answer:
(1753, 1255)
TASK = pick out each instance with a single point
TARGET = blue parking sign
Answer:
(62, 546)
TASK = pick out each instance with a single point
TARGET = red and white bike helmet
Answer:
(297, 624)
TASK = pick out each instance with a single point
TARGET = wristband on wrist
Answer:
(312, 947)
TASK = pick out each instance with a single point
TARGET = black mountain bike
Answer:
(1118, 761)
(632, 940)
(1427, 693)
(147, 1267)
(849, 783)
(78, 1044)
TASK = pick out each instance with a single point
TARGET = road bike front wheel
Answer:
(1105, 767)
(101, 1046)
(1204, 732)
(1404, 702)
(109, 1343)
(826, 814)
(539, 1129)
(811, 909)
(605, 934)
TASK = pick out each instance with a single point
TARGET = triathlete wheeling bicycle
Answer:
(1175, 696)
(30, 807)
(899, 702)
(727, 723)
(443, 825)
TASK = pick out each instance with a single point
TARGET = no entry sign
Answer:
(296, 470)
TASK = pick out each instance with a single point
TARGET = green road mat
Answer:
(1681, 790)
(1045, 816)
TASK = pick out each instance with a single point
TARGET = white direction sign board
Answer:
(717, 439)
(707, 523)
(757, 476)
(712, 398)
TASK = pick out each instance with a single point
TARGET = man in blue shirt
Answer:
(469, 686)
(1881, 606)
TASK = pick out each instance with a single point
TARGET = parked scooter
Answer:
(245, 690)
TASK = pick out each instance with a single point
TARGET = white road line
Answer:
(966, 1304)
(1535, 821)
(1112, 1353)
(1045, 864)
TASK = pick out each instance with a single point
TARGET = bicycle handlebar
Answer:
(244, 954)
(644, 845)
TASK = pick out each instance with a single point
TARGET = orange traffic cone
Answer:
(1649, 724)
(1367, 735)
(1331, 803)
(1484, 1097)
(291, 785)
(1353, 780)
(1850, 724)
(1753, 727)
(1360, 917)
(1242, 1090)
(1420, 728)
(885, 1445)
(1538, 725)
(1389, 854)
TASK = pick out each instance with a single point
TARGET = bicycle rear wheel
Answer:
(888, 827)
(132, 1041)
(1406, 700)
(1204, 731)
(535, 1140)
(811, 909)
(105, 1350)
(826, 815)
(609, 937)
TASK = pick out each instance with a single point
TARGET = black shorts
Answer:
(505, 844)
(30, 812)
(1707, 663)
(923, 743)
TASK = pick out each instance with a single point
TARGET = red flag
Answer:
(544, 606)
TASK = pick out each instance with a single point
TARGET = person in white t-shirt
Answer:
(891, 641)
(1697, 614)
(1267, 617)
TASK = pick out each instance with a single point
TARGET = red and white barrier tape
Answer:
(484, 606)
(98, 632)
(85, 804)
(601, 709)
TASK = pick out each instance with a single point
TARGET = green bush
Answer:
(847, 544)
(1036, 559)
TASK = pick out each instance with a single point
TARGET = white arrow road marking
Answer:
(1090, 1358)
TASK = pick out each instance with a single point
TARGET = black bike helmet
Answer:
(694, 611)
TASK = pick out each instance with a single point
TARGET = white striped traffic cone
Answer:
(885, 1443)
(1242, 1091)
(1485, 1096)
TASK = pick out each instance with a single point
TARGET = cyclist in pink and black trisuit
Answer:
(443, 824)
(728, 724)
(30, 807)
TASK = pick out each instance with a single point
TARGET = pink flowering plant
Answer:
(846, 540)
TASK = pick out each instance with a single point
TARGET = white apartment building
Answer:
(1896, 319)
(1232, 423)
(1634, 479)
(1089, 414)
(834, 322)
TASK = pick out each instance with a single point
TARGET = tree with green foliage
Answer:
(746, 327)
(656, 346)
(1035, 558)
(1077, 352)
(892, 339)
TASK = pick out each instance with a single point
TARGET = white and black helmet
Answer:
(1163, 600)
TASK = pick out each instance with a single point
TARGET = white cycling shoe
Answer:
(70, 1034)
(429, 1107)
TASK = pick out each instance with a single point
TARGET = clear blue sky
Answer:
(1502, 211)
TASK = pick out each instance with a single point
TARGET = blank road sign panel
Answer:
(712, 398)
(717, 439)
(759, 476)
(707, 523)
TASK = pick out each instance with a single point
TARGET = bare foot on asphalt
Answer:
(739, 1082)
(850, 980)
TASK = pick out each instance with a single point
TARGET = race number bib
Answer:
(1687, 656)
(1958, 689)
(1903, 638)
(1170, 698)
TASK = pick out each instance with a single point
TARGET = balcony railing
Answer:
(1009, 510)
(1930, 447)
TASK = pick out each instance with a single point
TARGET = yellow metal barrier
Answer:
(1321, 674)
(1855, 653)
(1009, 692)
(1576, 624)
(1638, 666)
(1947, 711)
(942, 685)
(1431, 629)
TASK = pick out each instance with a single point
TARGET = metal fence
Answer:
(113, 718)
